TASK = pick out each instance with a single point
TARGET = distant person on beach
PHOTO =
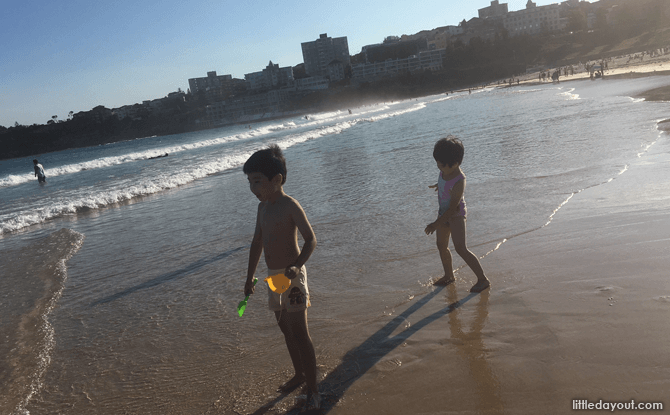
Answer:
(39, 172)
(450, 186)
(278, 220)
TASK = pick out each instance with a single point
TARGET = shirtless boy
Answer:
(278, 221)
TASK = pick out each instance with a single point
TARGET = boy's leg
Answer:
(293, 351)
(443, 232)
(297, 322)
(457, 224)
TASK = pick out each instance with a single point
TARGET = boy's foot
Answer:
(292, 383)
(480, 286)
(313, 402)
(444, 281)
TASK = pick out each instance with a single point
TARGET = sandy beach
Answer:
(568, 207)
(578, 310)
(618, 68)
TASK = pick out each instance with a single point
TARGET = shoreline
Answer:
(577, 310)
(618, 70)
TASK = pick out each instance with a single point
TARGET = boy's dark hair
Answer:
(448, 151)
(269, 162)
(35, 161)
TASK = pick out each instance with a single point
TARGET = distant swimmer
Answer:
(39, 172)
(157, 157)
(349, 111)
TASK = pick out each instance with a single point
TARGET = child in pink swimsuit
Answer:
(448, 153)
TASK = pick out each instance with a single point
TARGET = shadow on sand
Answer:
(170, 276)
(361, 359)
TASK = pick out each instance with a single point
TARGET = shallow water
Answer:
(144, 317)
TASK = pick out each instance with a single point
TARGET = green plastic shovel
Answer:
(243, 304)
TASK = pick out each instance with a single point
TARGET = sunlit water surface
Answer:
(142, 317)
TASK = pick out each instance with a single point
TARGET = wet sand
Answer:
(658, 94)
(578, 310)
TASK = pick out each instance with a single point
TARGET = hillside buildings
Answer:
(430, 60)
(395, 48)
(216, 87)
(318, 54)
(270, 77)
(495, 10)
(534, 20)
(326, 60)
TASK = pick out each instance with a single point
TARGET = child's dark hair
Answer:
(269, 162)
(35, 161)
(448, 151)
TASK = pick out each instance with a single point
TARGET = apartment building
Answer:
(216, 87)
(453, 30)
(318, 54)
(212, 80)
(271, 77)
(495, 10)
(430, 59)
(534, 20)
(311, 83)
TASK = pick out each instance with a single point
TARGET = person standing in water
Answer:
(448, 153)
(278, 220)
(39, 172)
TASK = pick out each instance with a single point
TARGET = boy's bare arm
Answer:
(305, 229)
(254, 255)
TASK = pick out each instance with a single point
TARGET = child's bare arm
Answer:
(305, 229)
(254, 255)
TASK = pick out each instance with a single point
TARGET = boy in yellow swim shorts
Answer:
(278, 221)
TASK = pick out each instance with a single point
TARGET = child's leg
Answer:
(443, 232)
(457, 224)
(293, 351)
(302, 342)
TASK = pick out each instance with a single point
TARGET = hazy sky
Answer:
(72, 55)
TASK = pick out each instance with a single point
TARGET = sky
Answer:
(73, 55)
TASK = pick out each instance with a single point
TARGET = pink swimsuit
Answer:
(444, 188)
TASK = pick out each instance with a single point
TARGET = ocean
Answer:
(120, 275)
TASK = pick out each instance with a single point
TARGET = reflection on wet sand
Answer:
(471, 347)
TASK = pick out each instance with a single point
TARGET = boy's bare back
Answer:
(278, 223)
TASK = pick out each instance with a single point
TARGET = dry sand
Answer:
(578, 310)
(618, 68)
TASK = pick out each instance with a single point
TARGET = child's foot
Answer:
(292, 383)
(313, 402)
(445, 281)
(480, 286)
